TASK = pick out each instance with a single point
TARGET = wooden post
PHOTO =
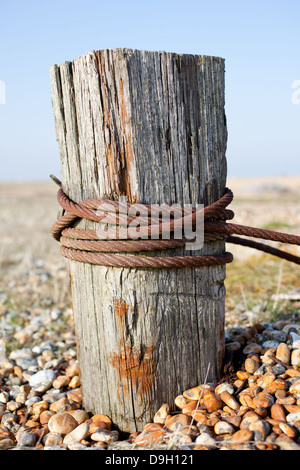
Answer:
(151, 126)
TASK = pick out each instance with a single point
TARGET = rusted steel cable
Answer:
(86, 245)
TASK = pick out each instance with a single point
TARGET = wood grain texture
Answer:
(151, 126)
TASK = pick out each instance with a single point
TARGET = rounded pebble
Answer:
(62, 423)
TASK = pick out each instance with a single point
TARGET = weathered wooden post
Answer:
(150, 126)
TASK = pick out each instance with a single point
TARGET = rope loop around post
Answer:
(116, 250)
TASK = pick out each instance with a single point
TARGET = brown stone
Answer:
(75, 395)
(242, 375)
(75, 382)
(289, 430)
(190, 408)
(237, 383)
(200, 417)
(292, 408)
(223, 427)
(241, 436)
(58, 404)
(280, 393)
(73, 370)
(248, 419)
(263, 399)
(193, 393)
(260, 411)
(267, 379)
(287, 400)
(278, 412)
(100, 421)
(150, 438)
(162, 413)
(278, 384)
(261, 429)
(79, 415)
(181, 401)
(39, 407)
(153, 427)
(286, 443)
(229, 400)
(234, 420)
(292, 372)
(53, 439)
(45, 416)
(246, 400)
(251, 364)
(61, 381)
(62, 423)
(283, 353)
(211, 401)
(178, 421)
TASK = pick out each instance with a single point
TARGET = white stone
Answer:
(42, 376)
(205, 440)
(105, 436)
(293, 417)
(221, 427)
(295, 358)
(79, 433)
(224, 387)
(296, 340)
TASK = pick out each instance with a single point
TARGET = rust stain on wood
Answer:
(135, 366)
(126, 153)
(117, 136)
(120, 308)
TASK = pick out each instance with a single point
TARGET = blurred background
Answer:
(258, 39)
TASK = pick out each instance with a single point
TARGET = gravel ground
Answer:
(257, 405)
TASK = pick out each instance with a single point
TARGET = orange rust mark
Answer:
(127, 154)
(120, 308)
(117, 135)
(120, 312)
(134, 366)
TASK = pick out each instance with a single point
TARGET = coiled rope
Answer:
(85, 246)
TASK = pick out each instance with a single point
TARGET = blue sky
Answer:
(258, 39)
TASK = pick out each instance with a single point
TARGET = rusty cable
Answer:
(86, 245)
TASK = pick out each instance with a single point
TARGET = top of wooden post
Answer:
(138, 115)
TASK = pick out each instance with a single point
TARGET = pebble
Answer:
(105, 436)
(80, 415)
(206, 440)
(296, 340)
(242, 436)
(252, 348)
(53, 439)
(42, 376)
(211, 401)
(178, 421)
(62, 423)
(222, 427)
(229, 400)
(27, 439)
(251, 364)
(61, 381)
(79, 433)
(295, 358)
(6, 444)
(43, 387)
(224, 387)
(100, 421)
(293, 417)
(162, 413)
